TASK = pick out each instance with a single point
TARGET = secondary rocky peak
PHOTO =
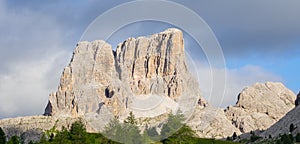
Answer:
(261, 105)
(91, 66)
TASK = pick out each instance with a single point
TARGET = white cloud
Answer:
(237, 79)
(32, 58)
(24, 91)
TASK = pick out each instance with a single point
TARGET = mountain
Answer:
(150, 77)
(260, 106)
(146, 75)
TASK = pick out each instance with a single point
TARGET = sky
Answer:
(260, 41)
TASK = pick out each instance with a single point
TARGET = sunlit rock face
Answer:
(146, 75)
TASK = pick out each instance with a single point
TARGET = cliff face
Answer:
(154, 65)
(83, 83)
(146, 75)
(260, 106)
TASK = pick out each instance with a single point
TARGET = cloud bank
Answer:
(237, 79)
(32, 58)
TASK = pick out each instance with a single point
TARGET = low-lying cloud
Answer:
(236, 80)
(24, 91)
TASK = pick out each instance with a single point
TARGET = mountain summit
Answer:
(146, 75)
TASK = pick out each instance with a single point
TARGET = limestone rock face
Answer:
(83, 82)
(212, 123)
(260, 106)
(146, 75)
(147, 61)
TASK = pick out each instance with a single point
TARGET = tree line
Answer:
(173, 131)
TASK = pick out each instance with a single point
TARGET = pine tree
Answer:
(78, 133)
(292, 128)
(234, 136)
(62, 137)
(131, 119)
(131, 130)
(173, 124)
(286, 139)
(112, 129)
(14, 140)
(127, 132)
(2, 136)
(298, 137)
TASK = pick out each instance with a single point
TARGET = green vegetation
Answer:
(298, 137)
(174, 122)
(254, 138)
(2, 136)
(292, 128)
(14, 140)
(127, 132)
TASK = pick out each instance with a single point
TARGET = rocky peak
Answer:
(140, 74)
(91, 66)
(261, 105)
(147, 59)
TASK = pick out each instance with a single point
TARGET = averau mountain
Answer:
(150, 77)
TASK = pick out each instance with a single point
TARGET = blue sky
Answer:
(260, 41)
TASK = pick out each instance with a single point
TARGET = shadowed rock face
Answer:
(260, 106)
(283, 125)
(297, 101)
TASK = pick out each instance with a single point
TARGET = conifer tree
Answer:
(2, 136)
